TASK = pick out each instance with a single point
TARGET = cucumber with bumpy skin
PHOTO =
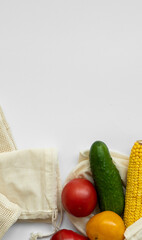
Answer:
(107, 179)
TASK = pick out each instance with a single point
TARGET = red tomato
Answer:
(79, 197)
(65, 234)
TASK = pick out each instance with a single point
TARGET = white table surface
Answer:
(70, 74)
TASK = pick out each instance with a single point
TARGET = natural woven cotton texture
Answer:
(29, 179)
(9, 213)
(6, 140)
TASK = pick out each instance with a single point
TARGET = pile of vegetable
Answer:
(80, 197)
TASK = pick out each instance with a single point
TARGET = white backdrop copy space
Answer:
(70, 74)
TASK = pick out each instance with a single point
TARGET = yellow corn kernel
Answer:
(133, 198)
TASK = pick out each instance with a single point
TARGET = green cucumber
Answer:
(107, 179)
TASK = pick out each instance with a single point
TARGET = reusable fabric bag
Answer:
(6, 140)
(30, 179)
(9, 212)
(30, 186)
(82, 170)
(26, 177)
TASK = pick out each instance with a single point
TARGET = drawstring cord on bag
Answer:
(35, 236)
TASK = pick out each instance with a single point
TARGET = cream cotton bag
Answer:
(6, 140)
(25, 175)
(30, 186)
(82, 170)
(9, 211)
(30, 178)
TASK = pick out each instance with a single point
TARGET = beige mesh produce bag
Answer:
(9, 211)
(6, 140)
(30, 178)
(82, 170)
(30, 186)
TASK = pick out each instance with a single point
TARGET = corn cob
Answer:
(133, 198)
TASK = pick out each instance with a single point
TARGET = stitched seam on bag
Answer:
(24, 168)
(40, 211)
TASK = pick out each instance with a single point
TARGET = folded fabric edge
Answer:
(133, 229)
(84, 155)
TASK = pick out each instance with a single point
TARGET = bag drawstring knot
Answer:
(35, 236)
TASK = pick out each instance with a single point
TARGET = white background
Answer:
(70, 74)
